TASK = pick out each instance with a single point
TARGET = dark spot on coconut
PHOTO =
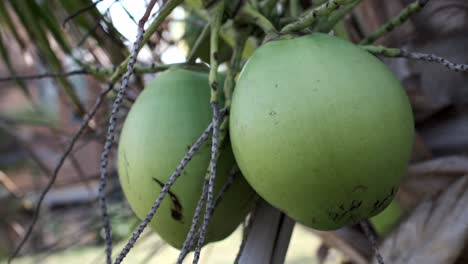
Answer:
(355, 204)
(127, 167)
(359, 188)
(214, 86)
(333, 216)
(176, 210)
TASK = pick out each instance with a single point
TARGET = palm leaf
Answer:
(28, 19)
(9, 65)
(46, 16)
(7, 21)
(92, 23)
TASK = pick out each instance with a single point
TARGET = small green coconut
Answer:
(166, 119)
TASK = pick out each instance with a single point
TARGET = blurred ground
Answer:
(300, 251)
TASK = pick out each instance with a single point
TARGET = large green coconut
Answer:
(321, 129)
(386, 220)
(166, 119)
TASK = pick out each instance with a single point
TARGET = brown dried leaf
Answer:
(445, 132)
(425, 179)
(444, 166)
(420, 149)
(435, 231)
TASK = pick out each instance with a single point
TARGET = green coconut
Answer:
(166, 119)
(321, 129)
(386, 220)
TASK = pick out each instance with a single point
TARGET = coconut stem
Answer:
(234, 65)
(216, 22)
(310, 17)
(295, 7)
(214, 45)
(268, 7)
(241, 38)
(326, 24)
(401, 53)
(196, 47)
(252, 15)
(404, 15)
(192, 236)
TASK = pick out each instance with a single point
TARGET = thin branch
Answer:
(196, 47)
(157, 11)
(142, 22)
(26, 147)
(98, 72)
(73, 234)
(326, 24)
(404, 15)
(229, 83)
(74, 162)
(139, 42)
(216, 22)
(110, 140)
(44, 75)
(310, 17)
(228, 87)
(253, 15)
(95, 26)
(128, 13)
(232, 177)
(178, 171)
(80, 173)
(366, 227)
(295, 7)
(189, 240)
(188, 243)
(79, 12)
(80, 131)
(433, 58)
(234, 173)
(163, 12)
(401, 53)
